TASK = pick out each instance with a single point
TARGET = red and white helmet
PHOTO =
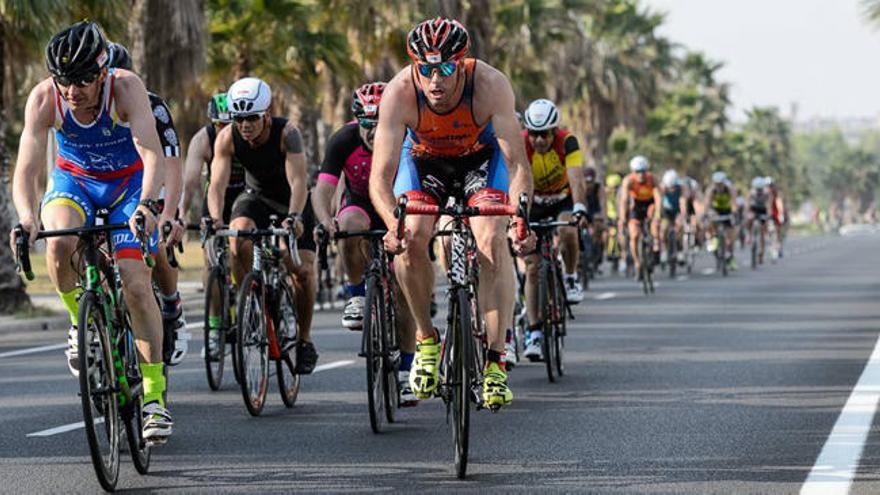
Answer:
(437, 40)
(365, 100)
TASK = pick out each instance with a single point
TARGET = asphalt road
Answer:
(710, 386)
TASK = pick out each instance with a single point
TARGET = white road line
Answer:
(32, 350)
(605, 295)
(682, 278)
(708, 271)
(62, 429)
(81, 424)
(834, 469)
(333, 365)
(195, 324)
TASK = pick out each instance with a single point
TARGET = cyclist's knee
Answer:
(135, 282)
(60, 249)
(305, 272)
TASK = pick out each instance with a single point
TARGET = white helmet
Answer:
(758, 183)
(248, 96)
(541, 115)
(670, 178)
(639, 164)
(768, 181)
(719, 177)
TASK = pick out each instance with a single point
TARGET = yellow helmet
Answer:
(613, 180)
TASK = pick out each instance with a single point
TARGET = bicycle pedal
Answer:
(495, 408)
(157, 442)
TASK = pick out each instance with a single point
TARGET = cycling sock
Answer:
(508, 336)
(570, 276)
(71, 304)
(154, 382)
(170, 304)
(536, 334)
(406, 359)
(356, 290)
(214, 322)
(493, 356)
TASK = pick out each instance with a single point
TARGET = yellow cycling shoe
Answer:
(495, 391)
(423, 376)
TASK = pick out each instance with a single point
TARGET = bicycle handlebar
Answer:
(22, 256)
(496, 210)
(169, 250)
(141, 234)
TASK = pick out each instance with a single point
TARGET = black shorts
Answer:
(691, 211)
(550, 210)
(228, 201)
(724, 212)
(259, 209)
(639, 210)
(477, 178)
(670, 215)
(758, 210)
(351, 201)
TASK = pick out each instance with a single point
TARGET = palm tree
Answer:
(871, 11)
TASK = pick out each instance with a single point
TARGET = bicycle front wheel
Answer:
(546, 304)
(559, 324)
(253, 344)
(462, 380)
(97, 383)
(373, 319)
(216, 306)
(287, 333)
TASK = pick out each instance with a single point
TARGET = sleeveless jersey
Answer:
(721, 199)
(454, 133)
(264, 165)
(103, 149)
(549, 170)
(641, 192)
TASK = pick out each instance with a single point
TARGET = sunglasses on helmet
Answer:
(79, 82)
(247, 118)
(446, 69)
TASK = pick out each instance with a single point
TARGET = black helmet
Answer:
(437, 40)
(119, 56)
(77, 52)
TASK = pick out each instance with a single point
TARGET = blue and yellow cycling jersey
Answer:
(98, 167)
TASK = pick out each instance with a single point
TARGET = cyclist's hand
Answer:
(149, 221)
(521, 247)
(176, 235)
(329, 231)
(394, 245)
(28, 225)
(298, 226)
(582, 221)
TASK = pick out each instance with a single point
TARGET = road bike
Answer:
(646, 257)
(266, 322)
(464, 348)
(759, 227)
(110, 380)
(722, 223)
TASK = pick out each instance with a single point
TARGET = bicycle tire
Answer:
(391, 356)
(672, 251)
(461, 381)
(643, 266)
(560, 324)
(285, 366)
(754, 261)
(132, 414)
(253, 346)
(546, 306)
(99, 403)
(373, 354)
(215, 290)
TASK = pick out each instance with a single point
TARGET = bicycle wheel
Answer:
(132, 412)
(722, 249)
(586, 258)
(643, 265)
(547, 305)
(287, 333)
(560, 323)
(372, 329)
(390, 356)
(97, 382)
(253, 345)
(672, 251)
(756, 231)
(462, 380)
(216, 302)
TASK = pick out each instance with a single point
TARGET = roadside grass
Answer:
(190, 269)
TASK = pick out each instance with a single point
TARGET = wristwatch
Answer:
(151, 205)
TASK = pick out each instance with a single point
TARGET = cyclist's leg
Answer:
(635, 234)
(354, 254)
(534, 335)
(247, 212)
(568, 245)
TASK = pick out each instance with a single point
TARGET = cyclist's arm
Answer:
(171, 152)
(682, 205)
(574, 168)
(197, 154)
(295, 168)
(509, 134)
(622, 200)
(393, 112)
(38, 117)
(328, 178)
(134, 107)
(221, 169)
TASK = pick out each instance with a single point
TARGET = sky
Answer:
(819, 54)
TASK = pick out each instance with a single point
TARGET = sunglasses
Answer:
(541, 134)
(248, 118)
(446, 69)
(79, 83)
(368, 123)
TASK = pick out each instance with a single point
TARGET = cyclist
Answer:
(447, 127)
(674, 209)
(109, 157)
(721, 197)
(557, 174)
(199, 154)
(778, 212)
(594, 194)
(639, 201)
(757, 201)
(612, 190)
(170, 196)
(350, 153)
(693, 197)
(270, 150)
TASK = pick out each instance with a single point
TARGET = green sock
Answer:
(70, 302)
(154, 382)
(214, 322)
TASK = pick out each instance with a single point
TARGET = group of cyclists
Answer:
(444, 127)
